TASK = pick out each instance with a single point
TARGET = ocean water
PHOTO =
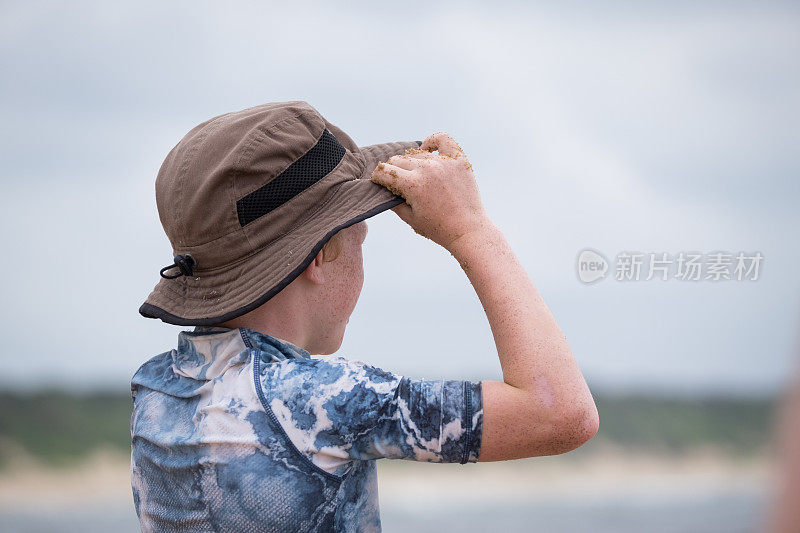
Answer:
(728, 513)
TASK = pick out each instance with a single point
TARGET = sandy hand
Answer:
(442, 198)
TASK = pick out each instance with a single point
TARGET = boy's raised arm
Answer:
(543, 405)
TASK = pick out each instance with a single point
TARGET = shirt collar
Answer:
(209, 351)
(278, 348)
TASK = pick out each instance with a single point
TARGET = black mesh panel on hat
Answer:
(299, 176)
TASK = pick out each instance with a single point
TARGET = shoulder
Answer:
(327, 391)
(154, 373)
(157, 374)
(327, 375)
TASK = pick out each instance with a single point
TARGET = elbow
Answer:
(589, 423)
(574, 427)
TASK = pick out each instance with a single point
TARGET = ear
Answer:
(314, 271)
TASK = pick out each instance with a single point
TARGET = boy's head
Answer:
(265, 211)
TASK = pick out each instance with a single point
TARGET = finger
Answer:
(408, 162)
(443, 143)
(396, 173)
(416, 153)
(392, 177)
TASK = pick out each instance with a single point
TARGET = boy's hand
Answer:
(442, 198)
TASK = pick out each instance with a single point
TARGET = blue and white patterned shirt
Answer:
(236, 430)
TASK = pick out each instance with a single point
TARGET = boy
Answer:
(240, 428)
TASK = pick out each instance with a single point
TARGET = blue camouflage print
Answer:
(236, 430)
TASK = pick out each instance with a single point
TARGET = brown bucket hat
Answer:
(249, 198)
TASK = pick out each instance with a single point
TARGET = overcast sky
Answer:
(628, 128)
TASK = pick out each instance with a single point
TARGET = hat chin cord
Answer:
(185, 265)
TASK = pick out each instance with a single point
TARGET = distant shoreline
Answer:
(103, 478)
(62, 429)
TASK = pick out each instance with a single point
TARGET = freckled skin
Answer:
(344, 279)
(313, 310)
(543, 405)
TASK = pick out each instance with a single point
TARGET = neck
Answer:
(284, 317)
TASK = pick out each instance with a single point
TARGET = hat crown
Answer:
(223, 160)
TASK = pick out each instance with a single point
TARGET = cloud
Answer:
(622, 128)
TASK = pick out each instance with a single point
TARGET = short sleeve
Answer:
(348, 409)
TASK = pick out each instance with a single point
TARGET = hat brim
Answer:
(226, 293)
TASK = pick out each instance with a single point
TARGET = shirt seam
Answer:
(441, 415)
(262, 398)
(468, 414)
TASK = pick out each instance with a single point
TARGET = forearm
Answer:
(533, 351)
